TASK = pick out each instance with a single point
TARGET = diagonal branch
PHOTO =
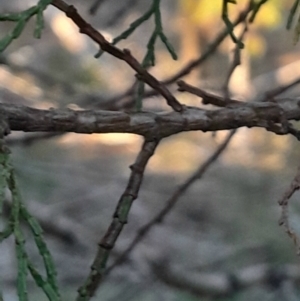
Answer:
(124, 55)
(270, 95)
(119, 220)
(172, 201)
(207, 98)
(211, 49)
(284, 203)
(190, 66)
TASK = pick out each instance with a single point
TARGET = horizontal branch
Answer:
(269, 115)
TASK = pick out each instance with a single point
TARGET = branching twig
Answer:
(256, 9)
(124, 55)
(189, 67)
(171, 202)
(228, 23)
(211, 49)
(19, 212)
(270, 95)
(207, 98)
(284, 203)
(235, 62)
(119, 220)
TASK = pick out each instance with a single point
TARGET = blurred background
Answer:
(225, 225)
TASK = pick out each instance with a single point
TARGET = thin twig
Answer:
(124, 55)
(270, 95)
(284, 203)
(87, 290)
(207, 98)
(190, 66)
(228, 23)
(235, 62)
(211, 49)
(171, 202)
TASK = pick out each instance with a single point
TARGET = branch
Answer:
(270, 95)
(284, 203)
(124, 55)
(236, 61)
(190, 66)
(268, 115)
(211, 49)
(171, 202)
(119, 220)
(207, 98)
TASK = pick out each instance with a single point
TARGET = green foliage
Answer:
(255, 8)
(149, 58)
(21, 19)
(19, 213)
(229, 24)
(256, 5)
